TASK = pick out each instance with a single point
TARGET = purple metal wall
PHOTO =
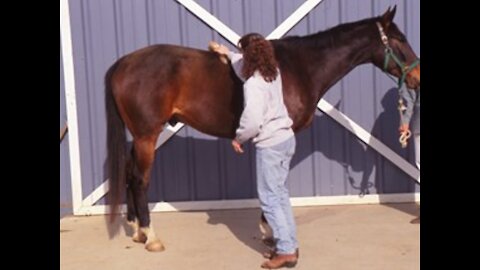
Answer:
(65, 186)
(195, 166)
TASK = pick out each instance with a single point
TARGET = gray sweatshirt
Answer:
(411, 115)
(265, 117)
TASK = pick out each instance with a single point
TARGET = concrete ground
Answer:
(373, 237)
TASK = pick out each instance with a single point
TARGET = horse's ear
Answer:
(392, 12)
(387, 17)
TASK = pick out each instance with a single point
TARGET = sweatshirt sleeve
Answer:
(409, 96)
(237, 62)
(252, 116)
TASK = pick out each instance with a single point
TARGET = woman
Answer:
(265, 120)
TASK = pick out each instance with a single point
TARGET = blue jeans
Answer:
(273, 164)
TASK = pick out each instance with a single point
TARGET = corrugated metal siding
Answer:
(195, 166)
(65, 187)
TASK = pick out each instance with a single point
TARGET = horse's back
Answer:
(162, 83)
(169, 65)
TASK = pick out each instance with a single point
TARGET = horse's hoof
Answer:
(139, 238)
(155, 246)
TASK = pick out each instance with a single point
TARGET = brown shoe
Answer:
(272, 253)
(281, 260)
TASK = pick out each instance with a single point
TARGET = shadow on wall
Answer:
(388, 180)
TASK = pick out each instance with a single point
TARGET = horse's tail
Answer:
(116, 145)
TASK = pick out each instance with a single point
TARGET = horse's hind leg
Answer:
(143, 156)
(132, 214)
(132, 219)
(267, 232)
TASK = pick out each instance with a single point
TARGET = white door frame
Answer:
(86, 206)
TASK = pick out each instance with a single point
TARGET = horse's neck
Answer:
(329, 64)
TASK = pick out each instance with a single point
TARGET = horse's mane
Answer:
(328, 37)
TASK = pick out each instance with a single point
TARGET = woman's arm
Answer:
(236, 59)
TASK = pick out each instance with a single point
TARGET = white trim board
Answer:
(253, 203)
(70, 98)
(293, 19)
(210, 20)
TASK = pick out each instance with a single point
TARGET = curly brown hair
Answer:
(258, 55)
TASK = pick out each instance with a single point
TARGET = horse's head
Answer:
(395, 55)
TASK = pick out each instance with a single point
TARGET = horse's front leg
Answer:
(144, 151)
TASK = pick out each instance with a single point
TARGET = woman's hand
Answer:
(403, 128)
(237, 147)
(218, 48)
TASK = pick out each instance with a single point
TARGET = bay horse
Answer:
(162, 84)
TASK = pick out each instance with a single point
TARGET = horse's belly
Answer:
(216, 124)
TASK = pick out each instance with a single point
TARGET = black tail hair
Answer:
(116, 144)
